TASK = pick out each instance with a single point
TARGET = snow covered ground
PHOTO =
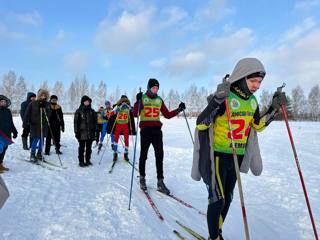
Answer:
(90, 203)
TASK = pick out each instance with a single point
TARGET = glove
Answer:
(222, 92)
(278, 99)
(77, 135)
(139, 96)
(62, 128)
(15, 135)
(181, 107)
(25, 125)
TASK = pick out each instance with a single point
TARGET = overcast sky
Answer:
(125, 42)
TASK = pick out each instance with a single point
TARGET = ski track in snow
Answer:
(90, 203)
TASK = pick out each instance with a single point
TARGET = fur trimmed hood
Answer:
(41, 92)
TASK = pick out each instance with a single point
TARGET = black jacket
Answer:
(32, 118)
(25, 104)
(85, 120)
(6, 122)
(56, 119)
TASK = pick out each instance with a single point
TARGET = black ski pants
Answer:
(148, 136)
(220, 196)
(56, 138)
(84, 150)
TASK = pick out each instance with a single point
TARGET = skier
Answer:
(121, 122)
(215, 163)
(57, 125)
(26, 131)
(99, 125)
(85, 120)
(6, 129)
(104, 118)
(35, 118)
(150, 106)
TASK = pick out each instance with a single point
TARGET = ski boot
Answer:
(3, 168)
(125, 157)
(143, 185)
(162, 187)
(99, 146)
(39, 156)
(112, 146)
(58, 152)
(33, 157)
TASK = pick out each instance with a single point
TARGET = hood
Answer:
(85, 98)
(41, 92)
(2, 97)
(30, 95)
(245, 67)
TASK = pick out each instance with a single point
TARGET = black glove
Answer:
(278, 99)
(15, 135)
(25, 125)
(181, 107)
(62, 128)
(139, 96)
(222, 92)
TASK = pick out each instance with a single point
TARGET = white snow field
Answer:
(91, 204)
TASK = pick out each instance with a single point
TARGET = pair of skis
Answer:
(159, 215)
(45, 164)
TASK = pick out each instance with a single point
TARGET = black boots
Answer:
(125, 157)
(162, 187)
(143, 185)
(25, 143)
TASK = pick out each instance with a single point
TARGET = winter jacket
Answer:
(203, 154)
(56, 120)
(131, 125)
(6, 122)
(32, 116)
(85, 120)
(25, 104)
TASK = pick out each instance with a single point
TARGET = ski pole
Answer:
(298, 166)
(236, 165)
(53, 138)
(185, 117)
(135, 150)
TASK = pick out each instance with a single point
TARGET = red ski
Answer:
(153, 205)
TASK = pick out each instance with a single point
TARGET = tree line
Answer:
(301, 107)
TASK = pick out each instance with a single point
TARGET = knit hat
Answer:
(107, 103)
(53, 97)
(152, 83)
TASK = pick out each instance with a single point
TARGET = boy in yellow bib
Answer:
(213, 159)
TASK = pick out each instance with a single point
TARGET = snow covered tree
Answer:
(265, 100)
(173, 99)
(58, 89)
(83, 86)
(299, 103)
(314, 103)
(21, 92)
(45, 85)
(8, 87)
(102, 92)
(73, 97)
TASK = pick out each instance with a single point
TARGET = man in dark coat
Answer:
(6, 129)
(36, 117)
(30, 98)
(57, 125)
(85, 120)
